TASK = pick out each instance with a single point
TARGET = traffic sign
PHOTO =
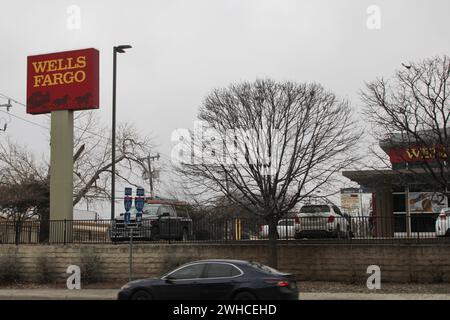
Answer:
(139, 203)
(140, 192)
(127, 202)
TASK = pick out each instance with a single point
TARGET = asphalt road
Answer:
(110, 294)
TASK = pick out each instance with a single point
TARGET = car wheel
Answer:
(141, 295)
(244, 295)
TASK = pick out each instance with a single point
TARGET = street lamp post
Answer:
(117, 49)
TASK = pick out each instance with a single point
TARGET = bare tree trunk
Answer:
(17, 227)
(273, 248)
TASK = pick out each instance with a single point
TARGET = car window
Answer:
(221, 270)
(264, 268)
(151, 209)
(315, 209)
(286, 222)
(172, 211)
(182, 212)
(193, 271)
(165, 210)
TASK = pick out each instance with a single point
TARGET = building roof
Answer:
(403, 139)
(386, 178)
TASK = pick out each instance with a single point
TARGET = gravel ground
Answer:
(334, 287)
(60, 286)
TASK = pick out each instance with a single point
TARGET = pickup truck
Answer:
(159, 221)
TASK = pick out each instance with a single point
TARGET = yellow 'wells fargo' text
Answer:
(59, 71)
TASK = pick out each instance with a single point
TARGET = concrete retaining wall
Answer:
(330, 262)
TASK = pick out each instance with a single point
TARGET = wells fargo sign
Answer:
(63, 81)
(417, 154)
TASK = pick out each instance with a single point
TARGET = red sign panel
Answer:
(63, 81)
(417, 154)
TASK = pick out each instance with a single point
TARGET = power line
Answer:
(23, 119)
(24, 105)
(10, 99)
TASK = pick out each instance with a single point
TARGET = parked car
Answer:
(215, 280)
(443, 223)
(159, 221)
(286, 228)
(323, 221)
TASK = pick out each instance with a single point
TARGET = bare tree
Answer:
(92, 169)
(24, 186)
(267, 146)
(92, 158)
(411, 113)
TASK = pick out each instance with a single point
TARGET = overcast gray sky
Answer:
(183, 49)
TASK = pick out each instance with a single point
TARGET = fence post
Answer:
(226, 230)
(65, 231)
(16, 233)
(130, 271)
(170, 231)
(419, 226)
(286, 229)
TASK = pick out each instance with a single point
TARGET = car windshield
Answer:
(264, 268)
(151, 209)
(315, 209)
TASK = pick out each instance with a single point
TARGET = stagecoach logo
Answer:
(63, 81)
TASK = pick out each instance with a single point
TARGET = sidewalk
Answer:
(372, 296)
(58, 294)
(111, 294)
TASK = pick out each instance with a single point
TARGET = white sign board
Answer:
(428, 202)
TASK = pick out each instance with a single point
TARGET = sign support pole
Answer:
(61, 171)
(408, 212)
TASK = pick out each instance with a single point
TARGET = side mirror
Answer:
(165, 214)
(168, 279)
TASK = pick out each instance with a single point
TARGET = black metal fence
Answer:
(296, 229)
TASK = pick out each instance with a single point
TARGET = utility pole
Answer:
(7, 106)
(149, 160)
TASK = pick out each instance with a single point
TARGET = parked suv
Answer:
(323, 220)
(286, 228)
(443, 223)
(159, 221)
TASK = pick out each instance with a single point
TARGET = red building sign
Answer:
(417, 154)
(63, 81)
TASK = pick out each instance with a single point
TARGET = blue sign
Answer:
(139, 203)
(140, 192)
(128, 191)
(127, 202)
(139, 217)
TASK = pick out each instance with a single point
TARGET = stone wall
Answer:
(328, 262)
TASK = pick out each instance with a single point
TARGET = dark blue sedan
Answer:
(215, 280)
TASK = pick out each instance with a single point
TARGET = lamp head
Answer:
(122, 48)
